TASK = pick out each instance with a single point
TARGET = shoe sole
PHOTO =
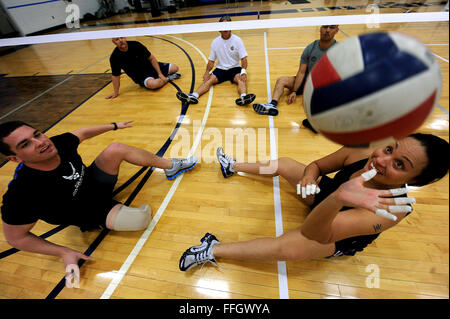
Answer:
(249, 98)
(181, 171)
(271, 111)
(183, 97)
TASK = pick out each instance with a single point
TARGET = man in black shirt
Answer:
(51, 183)
(140, 65)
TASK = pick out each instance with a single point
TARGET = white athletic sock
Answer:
(195, 94)
(243, 94)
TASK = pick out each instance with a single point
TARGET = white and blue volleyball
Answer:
(371, 88)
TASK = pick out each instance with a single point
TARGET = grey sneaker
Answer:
(187, 98)
(226, 163)
(180, 165)
(174, 76)
(199, 255)
(247, 99)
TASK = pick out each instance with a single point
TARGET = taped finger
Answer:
(303, 192)
(400, 209)
(313, 189)
(308, 189)
(404, 200)
(298, 189)
(385, 214)
(369, 174)
(399, 191)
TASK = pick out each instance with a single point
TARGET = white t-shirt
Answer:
(228, 52)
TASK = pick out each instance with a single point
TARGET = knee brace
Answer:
(132, 219)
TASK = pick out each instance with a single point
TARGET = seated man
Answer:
(310, 56)
(228, 49)
(52, 183)
(140, 65)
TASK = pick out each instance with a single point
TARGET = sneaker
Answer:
(174, 76)
(187, 98)
(308, 125)
(199, 255)
(265, 109)
(226, 163)
(180, 165)
(247, 99)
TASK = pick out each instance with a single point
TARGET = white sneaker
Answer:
(180, 165)
(199, 255)
(226, 163)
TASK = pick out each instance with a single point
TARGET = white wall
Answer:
(37, 15)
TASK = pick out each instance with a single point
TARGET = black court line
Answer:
(184, 107)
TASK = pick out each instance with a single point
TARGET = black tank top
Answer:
(348, 246)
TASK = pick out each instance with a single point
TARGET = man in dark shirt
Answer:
(51, 183)
(295, 84)
(140, 65)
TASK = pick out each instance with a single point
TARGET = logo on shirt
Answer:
(232, 48)
(75, 175)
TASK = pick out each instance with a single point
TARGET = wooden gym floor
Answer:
(60, 87)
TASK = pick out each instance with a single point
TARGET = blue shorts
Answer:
(165, 67)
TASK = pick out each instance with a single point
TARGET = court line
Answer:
(438, 56)
(144, 237)
(233, 25)
(281, 265)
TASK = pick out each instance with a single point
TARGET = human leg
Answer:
(124, 218)
(289, 169)
(272, 107)
(154, 83)
(244, 98)
(110, 159)
(290, 246)
(192, 98)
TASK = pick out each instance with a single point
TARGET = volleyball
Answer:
(372, 87)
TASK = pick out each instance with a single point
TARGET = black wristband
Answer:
(115, 125)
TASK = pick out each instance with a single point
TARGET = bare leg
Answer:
(155, 83)
(241, 84)
(286, 167)
(110, 159)
(290, 246)
(204, 87)
(282, 83)
(173, 68)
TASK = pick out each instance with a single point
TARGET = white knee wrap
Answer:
(131, 219)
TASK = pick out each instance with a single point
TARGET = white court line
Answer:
(144, 237)
(438, 56)
(282, 272)
(234, 25)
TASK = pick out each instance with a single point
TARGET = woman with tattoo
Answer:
(348, 211)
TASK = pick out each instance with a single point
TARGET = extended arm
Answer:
(91, 131)
(20, 237)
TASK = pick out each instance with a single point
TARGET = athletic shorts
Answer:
(165, 67)
(103, 184)
(227, 75)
